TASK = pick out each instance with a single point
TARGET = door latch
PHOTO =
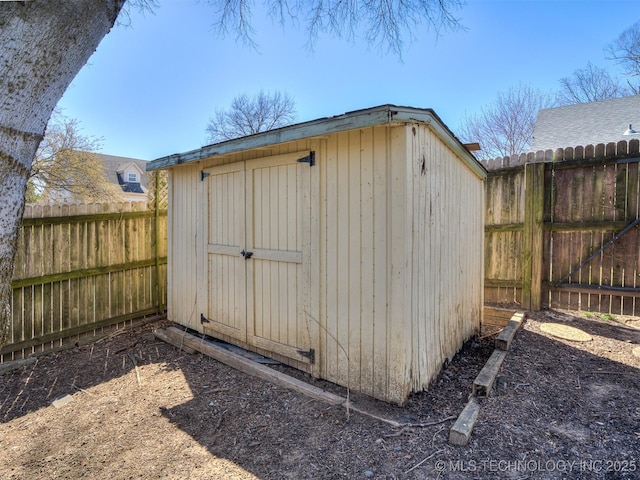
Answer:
(246, 255)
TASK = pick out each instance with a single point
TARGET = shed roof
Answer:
(586, 123)
(383, 114)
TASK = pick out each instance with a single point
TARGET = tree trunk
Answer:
(44, 45)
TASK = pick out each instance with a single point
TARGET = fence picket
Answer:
(81, 268)
(591, 193)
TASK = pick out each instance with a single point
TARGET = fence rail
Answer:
(84, 268)
(562, 231)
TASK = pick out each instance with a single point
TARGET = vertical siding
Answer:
(361, 334)
(354, 260)
(330, 342)
(380, 263)
(399, 265)
(446, 256)
(183, 254)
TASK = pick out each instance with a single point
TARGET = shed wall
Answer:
(183, 265)
(446, 263)
(401, 256)
(362, 199)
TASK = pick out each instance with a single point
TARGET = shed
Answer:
(349, 247)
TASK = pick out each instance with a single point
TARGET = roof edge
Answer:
(380, 115)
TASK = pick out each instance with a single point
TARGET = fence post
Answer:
(533, 236)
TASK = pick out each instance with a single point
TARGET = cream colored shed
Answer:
(349, 247)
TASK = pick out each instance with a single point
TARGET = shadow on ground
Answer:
(182, 416)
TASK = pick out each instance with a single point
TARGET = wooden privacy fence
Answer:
(562, 229)
(84, 268)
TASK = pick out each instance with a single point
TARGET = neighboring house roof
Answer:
(118, 169)
(586, 123)
(381, 115)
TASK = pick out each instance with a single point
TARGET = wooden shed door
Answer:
(277, 273)
(264, 206)
(226, 278)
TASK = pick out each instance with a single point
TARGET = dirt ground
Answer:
(561, 409)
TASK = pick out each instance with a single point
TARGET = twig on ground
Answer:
(128, 347)
(398, 433)
(433, 439)
(420, 463)
(395, 424)
(135, 366)
(487, 335)
(82, 390)
(612, 373)
(217, 390)
(120, 331)
(218, 423)
(429, 424)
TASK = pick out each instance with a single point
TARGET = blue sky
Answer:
(150, 88)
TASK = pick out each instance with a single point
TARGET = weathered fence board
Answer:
(587, 195)
(82, 268)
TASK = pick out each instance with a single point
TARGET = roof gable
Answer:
(115, 168)
(125, 168)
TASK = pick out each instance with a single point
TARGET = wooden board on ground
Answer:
(162, 335)
(497, 316)
(484, 381)
(16, 364)
(504, 339)
(181, 339)
(461, 430)
(566, 332)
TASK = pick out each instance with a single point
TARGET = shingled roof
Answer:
(113, 166)
(586, 123)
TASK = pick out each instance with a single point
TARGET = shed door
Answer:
(264, 206)
(226, 277)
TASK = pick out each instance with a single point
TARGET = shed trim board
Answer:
(383, 114)
(364, 269)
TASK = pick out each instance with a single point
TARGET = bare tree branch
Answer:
(505, 127)
(235, 16)
(625, 50)
(251, 114)
(386, 23)
(66, 166)
(589, 84)
(143, 6)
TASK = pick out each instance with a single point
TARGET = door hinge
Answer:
(310, 159)
(204, 319)
(203, 175)
(310, 354)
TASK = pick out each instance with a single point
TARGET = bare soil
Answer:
(142, 409)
